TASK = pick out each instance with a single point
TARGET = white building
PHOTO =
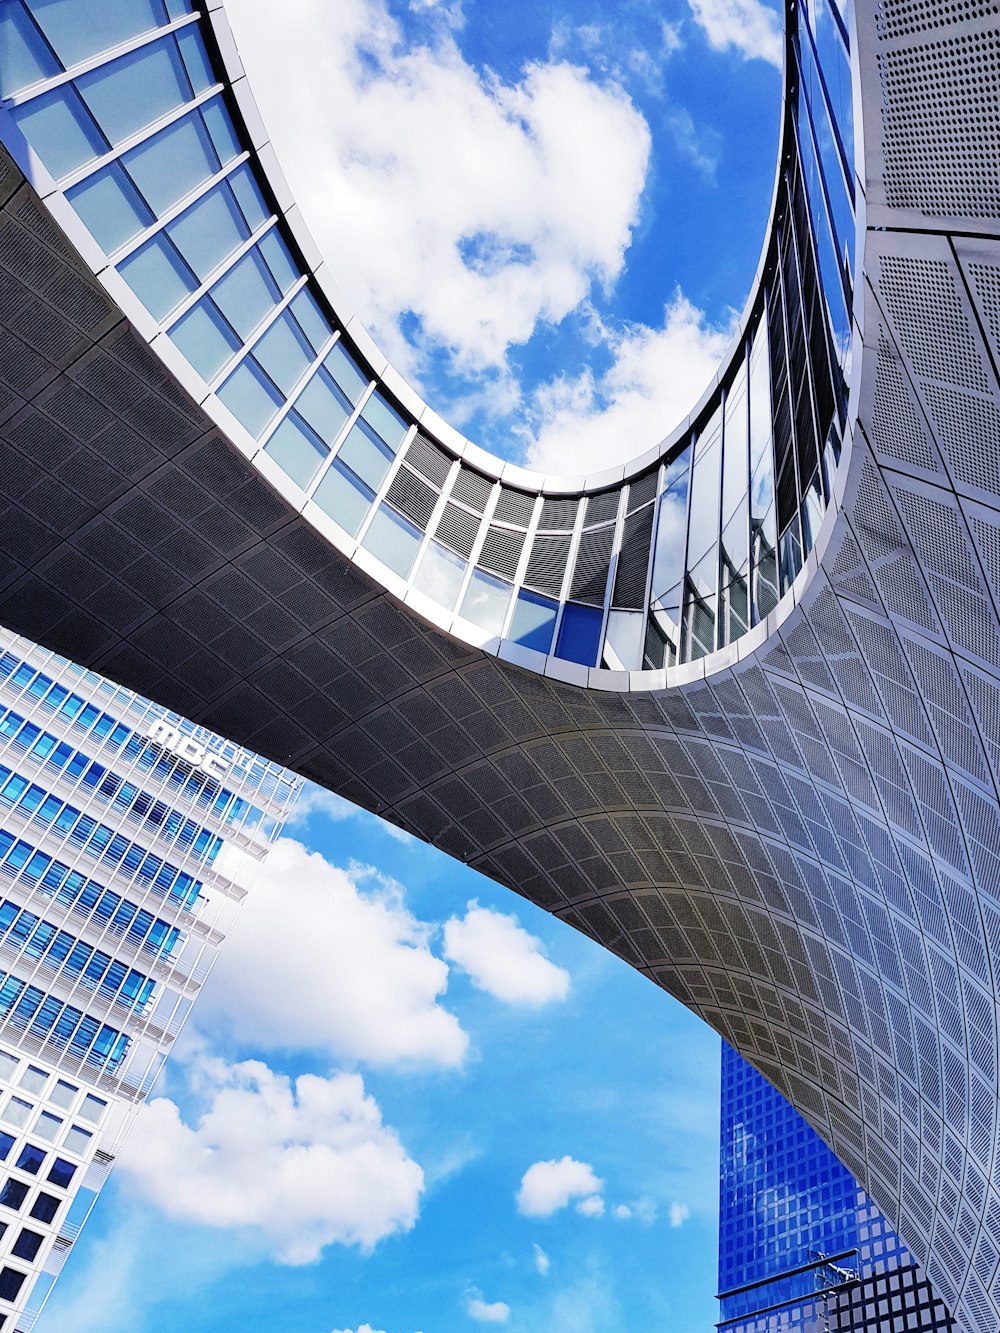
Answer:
(128, 838)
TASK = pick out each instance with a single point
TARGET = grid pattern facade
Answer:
(128, 839)
(801, 1247)
(798, 833)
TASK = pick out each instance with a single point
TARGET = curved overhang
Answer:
(797, 832)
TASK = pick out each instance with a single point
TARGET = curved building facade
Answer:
(733, 709)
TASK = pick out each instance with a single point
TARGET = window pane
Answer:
(284, 352)
(77, 1140)
(345, 498)
(323, 406)
(199, 71)
(30, 1159)
(136, 89)
(220, 127)
(110, 207)
(251, 397)
(534, 621)
(60, 130)
(209, 231)
(393, 540)
(92, 1108)
(27, 1244)
(311, 319)
(366, 455)
(61, 1173)
(345, 371)
(249, 197)
(44, 1208)
(24, 57)
(63, 1094)
(246, 293)
(48, 1126)
(17, 1111)
(205, 338)
(485, 602)
(172, 163)
(33, 1080)
(158, 276)
(579, 634)
(384, 421)
(296, 450)
(279, 261)
(86, 27)
(440, 574)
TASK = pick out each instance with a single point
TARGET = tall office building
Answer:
(802, 1249)
(732, 708)
(128, 838)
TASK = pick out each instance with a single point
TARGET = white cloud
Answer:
(747, 26)
(435, 188)
(679, 1214)
(643, 1210)
(546, 1187)
(656, 376)
(487, 1312)
(326, 959)
(313, 800)
(502, 958)
(301, 1163)
(542, 1261)
(592, 1206)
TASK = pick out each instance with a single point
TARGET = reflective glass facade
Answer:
(128, 839)
(638, 576)
(802, 1249)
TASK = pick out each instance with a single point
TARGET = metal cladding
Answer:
(780, 805)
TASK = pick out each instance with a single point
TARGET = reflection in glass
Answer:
(671, 528)
(534, 621)
(579, 634)
(110, 207)
(60, 130)
(703, 524)
(485, 602)
(296, 450)
(393, 540)
(344, 497)
(439, 575)
(623, 640)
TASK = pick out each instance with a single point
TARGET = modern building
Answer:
(128, 838)
(802, 1249)
(732, 709)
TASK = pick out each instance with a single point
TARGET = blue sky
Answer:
(410, 1102)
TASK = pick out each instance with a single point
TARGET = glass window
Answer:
(324, 406)
(110, 207)
(30, 1159)
(485, 602)
(27, 1244)
(61, 1173)
(246, 293)
(60, 130)
(25, 57)
(671, 530)
(63, 1093)
(48, 1126)
(279, 261)
(7, 1142)
(439, 575)
(623, 641)
(365, 454)
(345, 371)
(296, 450)
(172, 163)
(249, 197)
(534, 621)
(251, 397)
(393, 540)
(284, 352)
(205, 339)
(209, 231)
(17, 1111)
(158, 276)
(44, 1208)
(580, 634)
(703, 526)
(311, 319)
(33, 1079)
(346, 499)
(11, 1282)
(86, 27)
(386, 423)
(77, 1140)
(13, 1194)
(136, 89)
(199, 71)
(220, 129)
(8, 1063)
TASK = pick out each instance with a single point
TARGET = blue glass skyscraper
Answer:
(802, 1249)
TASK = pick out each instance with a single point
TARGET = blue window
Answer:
(279, 261)
(296, 450)
(324, 406)
(248, 196)
(209, 231)
(86, 27)
(7, 1142)
(61, 1173)
(26, 58)
(311, 319)
(344, 497)
(366, 455)
(13, 1194)
(170, 164)
(284, 352)
(45, 1207)
(27, 1244)
(136, 89)
(192, 49)
(246, 293)
(31, 1159)
(393, 540)
(60, 130)
(250, 396)
(205, 338)
(158, 276)
(534, 621)
(580, 634)
(387, 424)
(346, 373)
